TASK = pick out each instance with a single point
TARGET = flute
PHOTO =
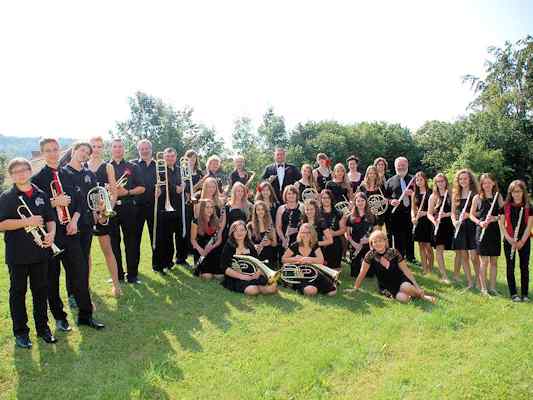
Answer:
(441, 211)
(418, 212)
(403, 194)
(462, 216)
(482, 235)
(515, 236)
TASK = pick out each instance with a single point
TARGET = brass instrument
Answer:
(186, 174)
(309, 194)
(161, 175)
(482, 235)
(249, 265)
(295, 274)
(441, 211)
(37, 232)
(249, 180)
(343, 207)
(516, 229)
(403, 194)
(462, 216)
(63, 213)
(418, 212)
(377, 204)
(123, 180)
(98, 195)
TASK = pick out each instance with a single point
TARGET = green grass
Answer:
(176, 337)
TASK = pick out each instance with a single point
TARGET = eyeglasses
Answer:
(19, 171)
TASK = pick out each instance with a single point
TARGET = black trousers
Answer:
(401, 227)
(183, 244)
(86, 238)
(77, 272)
(167, 229)
(18, 276)
(146, 215)
(523, 256)
(126, 221)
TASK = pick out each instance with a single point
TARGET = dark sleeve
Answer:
(501, 211)
(138, 179)
(294, 249)
(322, 224)
(297, 174)
(4, 207)
(388, 189)
(266, 174)
(253, 252)
(369, 257)
(227, 255)
(48, 214)
(37, 180)
(69, 188)
(397, 255)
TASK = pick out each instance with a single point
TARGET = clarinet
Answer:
(418, 212)
(288, 226)
(515, 236)
(202, 258)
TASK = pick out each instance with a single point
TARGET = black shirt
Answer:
(134, 180)
(340, 193)
(149, 178)
(361, 227)
(20, 247)
(82, 181)
(235, 177)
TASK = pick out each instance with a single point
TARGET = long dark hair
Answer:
(231, 239)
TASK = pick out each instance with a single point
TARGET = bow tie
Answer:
(280, 165)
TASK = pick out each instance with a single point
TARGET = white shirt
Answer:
(281, 174)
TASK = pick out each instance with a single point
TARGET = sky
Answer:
(67, 68)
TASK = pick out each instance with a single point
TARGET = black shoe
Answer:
(47, 337)
(23, 341)
(91, 323)
(63, 325)
(72, 302)
(134, 281)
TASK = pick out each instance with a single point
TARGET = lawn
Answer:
(176, 337)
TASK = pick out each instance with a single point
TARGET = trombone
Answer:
(63, 213)
(37, 232)
(186, 175)
(161, 174)
(98, 195)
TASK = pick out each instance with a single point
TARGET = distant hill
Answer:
(19, 146)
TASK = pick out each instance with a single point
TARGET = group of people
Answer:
(295, 228)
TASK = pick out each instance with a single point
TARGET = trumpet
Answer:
(297, 274)
(63, 213)
(249, 265)
(161, 175)
(37, 232)
(98, 195)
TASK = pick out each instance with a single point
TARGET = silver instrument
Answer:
(97, 196)
(482, 235)
(309, 194)
(462, 216)
(249, 265)
(295, 274)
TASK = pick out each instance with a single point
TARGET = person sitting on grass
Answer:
(392, 272)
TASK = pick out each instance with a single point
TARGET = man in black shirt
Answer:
(24, 257)
(68, 212)
(127, 212)
(280, 174)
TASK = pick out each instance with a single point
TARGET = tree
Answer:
(3, 167)
(244, 139)
(205, 141)
(272, 131)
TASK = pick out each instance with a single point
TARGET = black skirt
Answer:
(466, 238)
(424, 230)
(491, 244)
(445, 234)
(237, 285)
(333, 253)
(102, 230)
(323, 284)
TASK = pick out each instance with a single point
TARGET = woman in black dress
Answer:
(489, 247)
(465, 187)
(422, 226)
(262, 234)
(105, 176)
(238, 207)
(360, 225)
(322, 174)
(372, 185)
(306, 251)
(354, 176)
(205, 240)
(288, 218)
(336, 222)
(313, 217)
(307, 181)
(439, 213)
(394, 276)
(239, 244)
(339, 185)
(517, 232)
(265, 192)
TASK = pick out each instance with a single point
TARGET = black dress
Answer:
(466, 238)
(211, 263)
(355, 184)
(360, 227)
(333, 252)
(292, 217)
(268, 253)
(424, 227)
(446, 230)
(232, 215)
(339, 193)
(235, 284)
(323, 283)
(490, 246)
(391, 278)
(301, 187)
(321, 180)
(380, 219)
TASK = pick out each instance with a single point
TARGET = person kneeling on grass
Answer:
(391, 270)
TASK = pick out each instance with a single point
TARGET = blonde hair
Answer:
(244, 203)
(313, 237)
(216, 197)
(457, 190)
(378, 234)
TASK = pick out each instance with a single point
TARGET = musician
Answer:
(307, 181)
(24, 258)
(239, 174)
(354, 176)
(206, 240)
(312, 216)
(401, 228)
(360, 225)
(105, 176)
(210, 191)
(517, 236)
(322, 173)
(422, 226)
(168, 225)
(336, 222)
(288, 218)
(214, 170)
(67, 205)
(239, 244)
(487, 201)
(392, 272)
(306, 251)
(238, 207)
(265, 192)
(371, 185)
(127, 212)
(382, 167)
(146, 200)
(339, 185)
(281, 174)
(262, 233)
(197, 176)
(439, 213)
(464, 189)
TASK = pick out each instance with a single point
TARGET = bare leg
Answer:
(458, 260)
(409, 290)
(483, 274)
(423, 259)
(111, 262)
(466, 268)
(430, 256)
(442, 266)
(475, 258)
(206, 277)
(493, 272)
(270, 289)
(310, 291)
